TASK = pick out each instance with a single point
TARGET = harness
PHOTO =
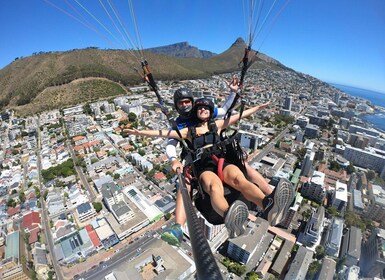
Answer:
(219, 150)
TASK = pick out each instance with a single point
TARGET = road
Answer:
(90, 190)
(44, 212)
(126, 253)
(267, 149)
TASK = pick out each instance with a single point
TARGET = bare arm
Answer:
(158, 133)
(221, 124)
(233, 85)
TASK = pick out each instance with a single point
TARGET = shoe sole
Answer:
(283, 198)
(236, 218)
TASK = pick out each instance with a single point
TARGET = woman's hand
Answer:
(131, 131)
(233, 84)
(263, 106)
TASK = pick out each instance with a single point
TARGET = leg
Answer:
(258, 179)
(174, 234)
(213, 186)
(234, 177)
(180, 214)
(236, 215)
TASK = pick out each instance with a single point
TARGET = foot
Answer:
(235, 218)
(173, 235)
(277, 204)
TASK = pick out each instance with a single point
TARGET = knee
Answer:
(213, 188)
(239, 180)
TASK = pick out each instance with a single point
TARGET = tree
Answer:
(333, 211)
(22, 197)
(370, 175)
(334, 166)
(141, 152)
(45, 195)
(97, 206)
(319, 252)
(131, 117)
(314, 267)
(11, 202)
(350, 169)
(116, 176)
(167, 216)
(251, 276)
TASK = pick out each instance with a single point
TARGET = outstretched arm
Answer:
(233, 85)
(221, 124)
(158, 133)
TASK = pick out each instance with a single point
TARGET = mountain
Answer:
(182, 50)
(49, 80)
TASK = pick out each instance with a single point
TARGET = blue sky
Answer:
(340, 41)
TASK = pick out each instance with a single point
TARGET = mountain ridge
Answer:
(25, 80)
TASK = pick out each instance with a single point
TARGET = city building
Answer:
(358, 205)
(312, 131)
(370, 131)
(300, 264)
(307, 164)
(242, 248)
(372, 262)
(73, 247)
(106, 235)
(85, 212)
(334, 237)
(302, 121)
(328, 269)
(340, 196)
(288, 103)
(351, 246)
(250, 140)
(313, 229)
(376, 207)
(314, 189)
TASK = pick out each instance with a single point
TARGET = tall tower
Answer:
(372, 262)
(288, 103)
(337, 96)
(307, 164)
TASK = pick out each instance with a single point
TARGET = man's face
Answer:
(184, 103)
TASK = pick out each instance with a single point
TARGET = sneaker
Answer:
(173, 235)
(277, 204)
(235, 218)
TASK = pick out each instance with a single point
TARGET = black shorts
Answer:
(207, 165)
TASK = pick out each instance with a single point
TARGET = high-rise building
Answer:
(313, 228)
(340, 196)
(307, 164)
(337, 96)
(315, 189)
(351, 246)
(288, 103)
(372, 262)
(334, 237)
(376, 209)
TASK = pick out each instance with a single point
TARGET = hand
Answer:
(264, 105)
(188, 175)
(233, 84)
(131, 131)
(175, 165)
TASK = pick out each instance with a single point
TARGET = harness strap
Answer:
(220, 162)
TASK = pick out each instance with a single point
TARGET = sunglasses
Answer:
(204, 107)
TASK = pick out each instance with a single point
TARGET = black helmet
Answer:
(183, 93)
(204, 102)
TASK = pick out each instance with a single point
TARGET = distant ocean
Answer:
(377, 98)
